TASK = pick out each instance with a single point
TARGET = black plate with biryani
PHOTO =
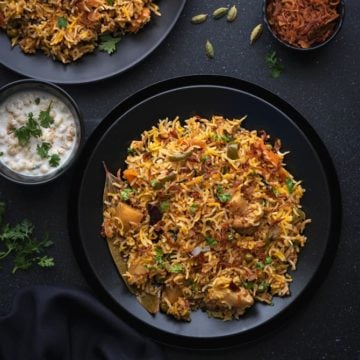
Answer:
(89, 41)
(205, 228)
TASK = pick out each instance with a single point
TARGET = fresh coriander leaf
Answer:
(1, 153)
(110, 2)
(290, 185)
(37, 101)
(43, 150)
(21, 263)
(273, 64)
(125, 194)
(131, 151)
(23, 135)
(45, 118)
(226, 138)
(210, 241)
(214, 137)
(164, 206)
(260, 265)
(204, 158)
(33, 126)
(54, 160)
(62, 23)
(20, 231)
(263, 286)
(221, 195)
(176, 268)
(268, 260)
(108, 43)
(159, 257)
(46, 261)
(248, 285)
(192, 208)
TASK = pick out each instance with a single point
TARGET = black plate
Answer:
(205, 95)
(97, 66)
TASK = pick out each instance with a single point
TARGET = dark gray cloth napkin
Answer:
(53, 323)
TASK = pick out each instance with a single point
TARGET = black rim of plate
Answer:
(245, 335)
(97, 66)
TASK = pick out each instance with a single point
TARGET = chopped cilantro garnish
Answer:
(164, 206)
(268, 260)
(37, 101)
(62, 23)
(290, 185)
(43, 150)
(159, 257)
(108, 43)
(110, 2)
(125, 194)
(1, 153)
(260, 265)
(31, 128)
(45, 118)
(175, 268)
(226, 138)
(248, 285)
(263, 286)
(192, 208)
(221, 195)
(131, 151)
(54, 160)
(210, 241)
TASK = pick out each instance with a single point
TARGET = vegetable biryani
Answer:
(205, 216)
(68, 29)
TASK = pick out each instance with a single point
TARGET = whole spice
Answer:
(256, 33)
(220, 12)
(209, 49)
(199, 19)
(232, 14)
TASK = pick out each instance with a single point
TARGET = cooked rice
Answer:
(34, 24)
(205, 216)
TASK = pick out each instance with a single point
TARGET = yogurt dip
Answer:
(38, 133)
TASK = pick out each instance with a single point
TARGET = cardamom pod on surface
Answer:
(199, 19)
(209, 49)
(232, 14)
(220, 12)
(256, 33)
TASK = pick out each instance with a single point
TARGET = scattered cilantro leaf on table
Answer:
(108, 43)
(19, 241)
(273, 64)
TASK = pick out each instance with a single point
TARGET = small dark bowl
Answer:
(37, 85)
(340, 20)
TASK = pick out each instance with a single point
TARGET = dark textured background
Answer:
(323, 86)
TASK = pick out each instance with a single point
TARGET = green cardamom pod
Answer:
(256, 33)
(232, 14)
(198, 19)
(220, 12)
(209, 49)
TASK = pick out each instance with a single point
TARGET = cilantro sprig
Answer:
(108, 43)
(222, 196)
(25, 132)
(273, 64)
(45, 118)
(19, 240)
(43, 150)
